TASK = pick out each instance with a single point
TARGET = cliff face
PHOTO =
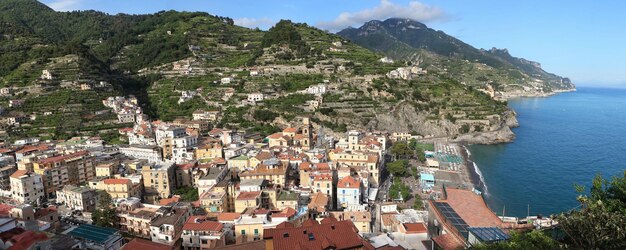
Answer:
(406, 118)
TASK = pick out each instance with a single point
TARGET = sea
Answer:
(562, 140)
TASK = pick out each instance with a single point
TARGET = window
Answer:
(256, 231)
(243, 232)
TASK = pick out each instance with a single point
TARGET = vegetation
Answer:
(600, 223)
(399, 190)
(104, 215)
(401, 150)
(521, 241)
(398, 168)
(187, 193)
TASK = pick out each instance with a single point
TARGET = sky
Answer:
(583, 40)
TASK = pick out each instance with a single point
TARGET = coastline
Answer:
(472, 171)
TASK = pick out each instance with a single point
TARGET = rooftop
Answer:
(94, 233)
(349, 182)
(202, 223)
(286, 195)
(248, 195)
(141, 244)
(312, 235)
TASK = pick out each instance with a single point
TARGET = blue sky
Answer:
(582, 40)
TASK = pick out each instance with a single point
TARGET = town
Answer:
(188, 185)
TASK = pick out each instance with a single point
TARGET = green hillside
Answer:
(405, 39)
(160, 56)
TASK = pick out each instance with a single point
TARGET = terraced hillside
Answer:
(179, 62)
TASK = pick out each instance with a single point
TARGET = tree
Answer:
(264, 115)
(600, 223)
(104, 215)
(398, 168)
(401, 150)
(399, 190)
(531, 240)
(187, 193)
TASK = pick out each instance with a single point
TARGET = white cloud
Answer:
(261, 23)
(386, 9)
(65, 5)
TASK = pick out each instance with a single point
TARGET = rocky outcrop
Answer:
(502, 135)
(405, 118)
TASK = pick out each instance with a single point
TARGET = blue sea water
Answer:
(562, 140)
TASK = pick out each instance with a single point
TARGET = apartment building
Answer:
(27, 187)
(57, 171)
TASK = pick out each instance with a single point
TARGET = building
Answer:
(214, 200)
(5, 174)
(206, 153)
(361, 219)
(349, 191)
(247, 199)
(329, 234)
(287, 199)
(135, 217)
(255, 97)
(276, 175)
(159, 179)
(78, 198)
(199, 232)
(57, 171)
(119, 188)
(140, 244)
(319, 203)
(151, 153)
(106, 169)
(450, 219)
(168, 226)
(212, 176)
(27, 187)
(97, 238)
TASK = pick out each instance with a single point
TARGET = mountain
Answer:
(178, 62)
(405, 39)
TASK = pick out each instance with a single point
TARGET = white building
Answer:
(255, 97)
(185, 141)
(145, 152)
(169, 132)
(319, 89)
(126, 117)
(349, 191)
(26, 187)
(226, 80)
(46, 75)
(78, 198)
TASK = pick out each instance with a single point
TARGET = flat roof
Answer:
(489, 234)
(427, 177)
(93, 233)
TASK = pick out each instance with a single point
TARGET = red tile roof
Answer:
(141, 244)
(448, 242)
(5, 209)
(164, 202)
(472, 208)
(228, 216)
(290, 130)
(26, 239)
(414, 228)
(201, 223)
(32, 148)
(349, 182)
(117, 181)
(287, 212)
(276, 136)
(60, 158)
(336, 235)
(18, 173)
(248, 195)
